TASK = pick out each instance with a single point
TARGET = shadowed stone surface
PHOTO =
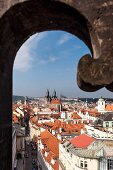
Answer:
(90, 20)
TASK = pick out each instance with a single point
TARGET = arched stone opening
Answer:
(27, 18)
(20, 22)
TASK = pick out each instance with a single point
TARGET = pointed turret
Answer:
(48, 97)
(54, 94)
(47, 94)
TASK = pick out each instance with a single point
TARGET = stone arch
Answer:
(25, 19)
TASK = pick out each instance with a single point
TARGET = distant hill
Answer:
(17, 98)
(62, 96)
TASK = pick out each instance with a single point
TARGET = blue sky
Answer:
(48, 60)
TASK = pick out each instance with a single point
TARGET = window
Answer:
(110, 164)
(67, 150)
(107, 124)
(112, 124)
(85, 164)
(81, 164)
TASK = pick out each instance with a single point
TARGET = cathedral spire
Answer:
(48, 96)
(54, 96)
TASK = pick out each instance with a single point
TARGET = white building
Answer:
(84, 152)
(85, 115)
(14, 160)
(94, 132)
(34, 130)
(101, 105)
(18, 145)
(20, 111)
(20, 140)
(63, 115)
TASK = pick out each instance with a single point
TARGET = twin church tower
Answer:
(49, 97)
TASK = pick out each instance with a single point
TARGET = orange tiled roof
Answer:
(93, 112)
(55, 101)
(48, 124)
(82, 141)
(50, 141)
(76, 116)
(71, 127)
(48, 159)
(33, 119)
(109, 107)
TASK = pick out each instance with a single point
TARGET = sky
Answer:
(48, 60)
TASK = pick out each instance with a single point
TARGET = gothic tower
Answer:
(48, 96)
(54, 96)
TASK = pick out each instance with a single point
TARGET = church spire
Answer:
(54, 96)
(48, 96)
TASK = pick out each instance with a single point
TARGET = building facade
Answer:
(86, 153)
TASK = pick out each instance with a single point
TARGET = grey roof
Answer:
(19, 129)
(104, 116)
(109, 117)
(66, 143)
(97, 149)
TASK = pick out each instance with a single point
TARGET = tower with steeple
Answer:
(54, 96)
(101, 105)
(86, 104)
(26, 101)
(48, 96)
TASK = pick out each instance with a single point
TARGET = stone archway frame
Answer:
(25, 19)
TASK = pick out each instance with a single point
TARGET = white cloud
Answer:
(64, 39)
(24, 57)
(77, 47)
(50, 59)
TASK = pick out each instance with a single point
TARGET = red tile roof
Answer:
(82, 141)
(52, 145)
(33, 119)
(51, 142)
(76, 116)
(55, 101)
(109, 107)
(48, 159)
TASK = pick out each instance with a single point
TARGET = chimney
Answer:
(60, 130)
(47, 152)
(53, 132)
(53, 160)
(58, 136)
